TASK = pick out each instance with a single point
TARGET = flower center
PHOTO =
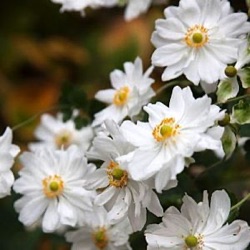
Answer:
(230, 71)
(121, 96)
(63, 138)
(196, 36)
(53, 186)
(191, 241)
(117, 176)
(100, 238)
(167, 128)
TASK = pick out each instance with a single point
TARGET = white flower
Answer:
(131, 91)
(101, 233)
(199, 227)
(51, 183)
(134, 7)
(198, 38)
(8, 152)
(121, 195)
(172, 134)
(78, 5)
(55, 134)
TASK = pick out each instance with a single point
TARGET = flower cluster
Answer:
(103, 179)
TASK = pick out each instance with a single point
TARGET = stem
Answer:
(234, 99)
(32, 118)
(240, 202)
(169, 85)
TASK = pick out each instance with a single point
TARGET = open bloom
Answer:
(171, 135)
(100, 233)
(8, 152)
(121, 195)
(199, 227)
(132, 90)
(55, 134)
(198, 38)
(51, 183)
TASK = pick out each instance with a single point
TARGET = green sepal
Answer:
(228, 141)
(241, 112)
(227, 88)
(244, 75)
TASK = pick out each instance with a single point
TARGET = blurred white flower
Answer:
(199, 226)
(78, 5)
(131, 90)
(101, 233)
(121, 195)
(172, 135)
(51, 183)
(8, 152)
(133, 7)
(55, 134)
(198, 39)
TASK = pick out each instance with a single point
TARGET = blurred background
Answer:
(52, 61)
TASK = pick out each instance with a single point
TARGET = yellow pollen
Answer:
(121, 96)
(117, 176)
(196, 36)
(166, 129)
(100, 238)
(53, 186)
(63, 138)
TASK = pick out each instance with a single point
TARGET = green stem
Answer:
(234, 99)
(32, 118)
(170, 84)
(240, 202)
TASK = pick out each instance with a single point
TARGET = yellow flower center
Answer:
(121, 96)
(191, 241)
(117, 176)
(100, 238)
(52, 186)
(166, 129)
(196, 36)
(63, 139)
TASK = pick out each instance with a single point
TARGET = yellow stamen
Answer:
(63, 138)
(121, 96)
(166, 129)
(196, 36)
(117, 176)
(53, 186)
(100, 238)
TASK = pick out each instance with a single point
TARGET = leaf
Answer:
(244, 75)
(227, 88)
(228, 141)
(241, 112)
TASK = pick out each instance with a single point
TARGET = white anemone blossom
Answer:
(100, 233)
(199, 226)
(198, 39)
(51, 183)
(131, 90)
(171, 136)
(8, 152)
(121, 195)
(133, 7)
(54, 133)
(78, 5)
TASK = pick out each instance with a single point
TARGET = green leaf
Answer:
(244, 75)
(227, 88)
(228, 141)
(241, 112)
